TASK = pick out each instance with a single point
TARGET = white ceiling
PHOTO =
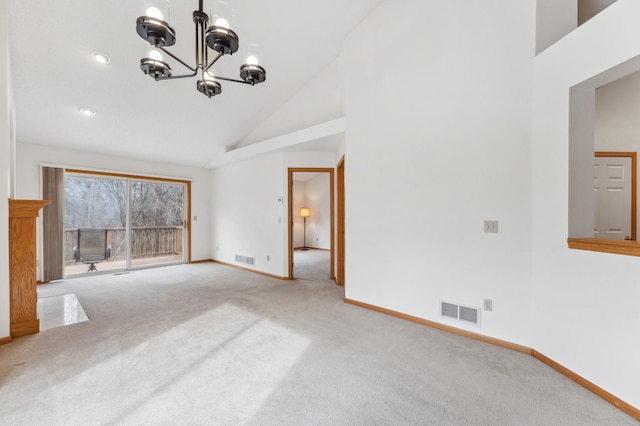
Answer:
(167, 121)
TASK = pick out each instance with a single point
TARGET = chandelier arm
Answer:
(195, 70)
(234, 80)
(213, 61)
(173, 77)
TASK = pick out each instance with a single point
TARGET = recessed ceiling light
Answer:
(89, 112)
(100, 57)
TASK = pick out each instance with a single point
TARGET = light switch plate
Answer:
(488, 305)
(491, 226)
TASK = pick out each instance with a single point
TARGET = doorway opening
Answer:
(311, 219)
(117, 222)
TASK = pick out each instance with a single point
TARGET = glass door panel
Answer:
(94, 224)
(157, 232)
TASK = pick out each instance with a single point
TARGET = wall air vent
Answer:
(449, 310)
(468, 314)
(246, 260)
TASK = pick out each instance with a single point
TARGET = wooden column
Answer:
(22, 266)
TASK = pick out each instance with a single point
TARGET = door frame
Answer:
(290, 173)
(340, 275)
(129, 177)
(633, 156)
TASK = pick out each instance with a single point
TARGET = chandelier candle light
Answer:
(218, 37)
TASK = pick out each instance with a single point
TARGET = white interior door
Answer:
(612, 197)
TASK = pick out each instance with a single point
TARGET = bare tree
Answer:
(102, 203)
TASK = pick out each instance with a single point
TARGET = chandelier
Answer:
(217, 40)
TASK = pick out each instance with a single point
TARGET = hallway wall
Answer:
(429, 161)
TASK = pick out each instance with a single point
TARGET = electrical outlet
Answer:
(491, 226)
(217, 248)
(488, 305)
(268, 258)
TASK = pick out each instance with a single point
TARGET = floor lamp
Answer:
(305, 212)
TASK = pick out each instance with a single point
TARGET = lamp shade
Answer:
(253, 55)
(305, 212)
(223, 14)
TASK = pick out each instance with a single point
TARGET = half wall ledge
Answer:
(625, 247)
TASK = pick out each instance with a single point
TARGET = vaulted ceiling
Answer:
(169, 121)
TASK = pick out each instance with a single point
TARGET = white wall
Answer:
(617, 120)
(587, 9)
(341, 149)
(557, 18)
(584, 304)
(6, 143)
(581, 142)
(30, 157)
(319, 101)
(428, 161)
(247, 218)
(554, 20)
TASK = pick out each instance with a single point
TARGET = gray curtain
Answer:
(53, 224)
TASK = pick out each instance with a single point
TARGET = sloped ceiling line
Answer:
(299, 137)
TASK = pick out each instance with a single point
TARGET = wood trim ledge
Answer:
(5, 340)
(610, 398)
(629, 248)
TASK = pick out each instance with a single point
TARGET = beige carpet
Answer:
(208, 344)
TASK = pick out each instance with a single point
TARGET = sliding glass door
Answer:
(120, 223)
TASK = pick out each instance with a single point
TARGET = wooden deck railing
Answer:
(145, 242)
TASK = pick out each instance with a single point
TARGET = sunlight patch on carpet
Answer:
(226, 362)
